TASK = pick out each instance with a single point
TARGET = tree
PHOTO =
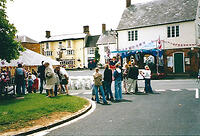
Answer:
(96, 55)
(9, 47)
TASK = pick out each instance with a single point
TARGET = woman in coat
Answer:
(50, 79)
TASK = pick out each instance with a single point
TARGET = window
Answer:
(133, 35)
(199, 12)
(70, 52)
(168, 32)
(91, 51)
(60, 45)
(173, 31)
(199, 30)
(47, 46)
(69, 44)
(48, 53)
(129, 35)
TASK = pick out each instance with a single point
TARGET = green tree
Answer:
(97, 55)
(9, 47)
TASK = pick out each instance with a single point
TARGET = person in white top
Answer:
(64, 79)
(147, 76)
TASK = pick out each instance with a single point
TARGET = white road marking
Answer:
(191, 89)
(197, 93)
(87, 93)
(160, 90)
(74, 93)
(176, 90)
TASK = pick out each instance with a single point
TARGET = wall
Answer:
(188, 53)
(32, 46)
(76, 45)
(103, 54)
(147, 34)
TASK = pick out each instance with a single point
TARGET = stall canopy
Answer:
(126, 53)
(29, 58)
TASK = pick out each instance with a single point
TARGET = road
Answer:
(174, 110)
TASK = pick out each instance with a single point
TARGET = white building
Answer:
(107, 43)
(173, 23)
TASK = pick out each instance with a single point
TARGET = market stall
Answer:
(29, 59)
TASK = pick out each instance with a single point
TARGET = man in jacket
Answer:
(132, 78)
(98, 85)
(41, 75)
(108, 81)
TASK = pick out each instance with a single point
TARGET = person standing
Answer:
(20, 80)
(50, 79)
(133, 73)
(118, 83)
(58, 79)
(41, 75)
(98, 86)
(108, 81)
(125, 77)
(64, 79)
(147, 76)
(30, 84)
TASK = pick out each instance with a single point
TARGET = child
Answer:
(35, 84)
(30, 84)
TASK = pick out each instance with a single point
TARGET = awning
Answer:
(29, 58)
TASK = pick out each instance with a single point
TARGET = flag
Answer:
(159, 43)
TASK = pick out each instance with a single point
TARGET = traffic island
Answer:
(43, 113)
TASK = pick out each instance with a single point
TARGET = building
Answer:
(170, 25)
(90, 49)
(106, 43)
(68, 49)
(29, 43)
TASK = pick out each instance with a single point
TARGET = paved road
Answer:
(173, 111)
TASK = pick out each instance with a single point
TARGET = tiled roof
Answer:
(25, 39)
(158, 12)
(65, 37)
(91, 41)
(106, 38)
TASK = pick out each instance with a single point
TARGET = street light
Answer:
(115, 34)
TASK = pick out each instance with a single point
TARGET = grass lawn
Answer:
(16, 113)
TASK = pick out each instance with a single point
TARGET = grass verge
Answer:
(16, 113)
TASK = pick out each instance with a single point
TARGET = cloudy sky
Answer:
(33, 17)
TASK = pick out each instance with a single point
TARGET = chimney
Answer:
(103, 28)
(48, 34)
(86, 30)
(128, 3)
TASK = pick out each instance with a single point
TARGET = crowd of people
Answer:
(128, 75)
(56, 80)
(46, 78)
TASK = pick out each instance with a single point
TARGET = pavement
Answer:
(37, 129)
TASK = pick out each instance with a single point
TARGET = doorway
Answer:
(178, 63)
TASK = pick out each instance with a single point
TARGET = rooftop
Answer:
(158, 12)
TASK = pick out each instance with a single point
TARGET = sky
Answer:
(33, 17)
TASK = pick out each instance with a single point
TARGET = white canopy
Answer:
(29, 58)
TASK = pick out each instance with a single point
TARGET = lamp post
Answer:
(115, 34)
